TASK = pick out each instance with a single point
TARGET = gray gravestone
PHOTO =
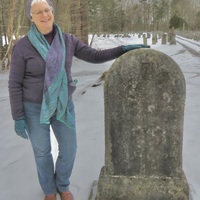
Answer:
(154, 39)
(172, 37)
(144, 39)
(164, 38)
(144, 111)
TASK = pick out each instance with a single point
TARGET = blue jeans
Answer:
(52, 179)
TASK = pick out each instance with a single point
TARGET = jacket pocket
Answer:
(72, 87)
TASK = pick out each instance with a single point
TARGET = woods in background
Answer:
(81, 17)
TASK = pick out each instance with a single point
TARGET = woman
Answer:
(41, 88)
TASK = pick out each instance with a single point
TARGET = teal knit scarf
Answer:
(55, 94)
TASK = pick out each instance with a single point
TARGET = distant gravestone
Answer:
(172, 37)
(154, 39)
(144, 109)
(148, 35)
(144, 39)
(164, 38)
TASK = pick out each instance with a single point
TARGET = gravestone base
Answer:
(112, 187)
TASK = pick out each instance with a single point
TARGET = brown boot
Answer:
(50, 197)
(66, 196)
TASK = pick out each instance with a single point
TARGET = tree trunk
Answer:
(11, 19)
(75, 18)
(84, 20)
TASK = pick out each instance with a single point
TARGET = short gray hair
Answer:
(38, 1)
(31, 2)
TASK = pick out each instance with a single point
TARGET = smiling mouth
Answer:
(45, 21)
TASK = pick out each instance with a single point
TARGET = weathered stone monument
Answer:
(144, 109)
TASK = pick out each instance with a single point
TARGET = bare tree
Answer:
(84, 20)
(75, 17)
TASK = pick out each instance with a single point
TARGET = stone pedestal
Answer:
(144, 109)
(141, 188)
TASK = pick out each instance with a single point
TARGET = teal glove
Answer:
(21, 128)
(130, 47)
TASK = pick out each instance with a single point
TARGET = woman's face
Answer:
(42, 16)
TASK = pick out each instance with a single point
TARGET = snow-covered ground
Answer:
(18, 177)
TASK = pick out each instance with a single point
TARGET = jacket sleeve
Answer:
(89, 54)
(15, 82)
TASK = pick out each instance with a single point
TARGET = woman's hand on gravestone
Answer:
(130, 47)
